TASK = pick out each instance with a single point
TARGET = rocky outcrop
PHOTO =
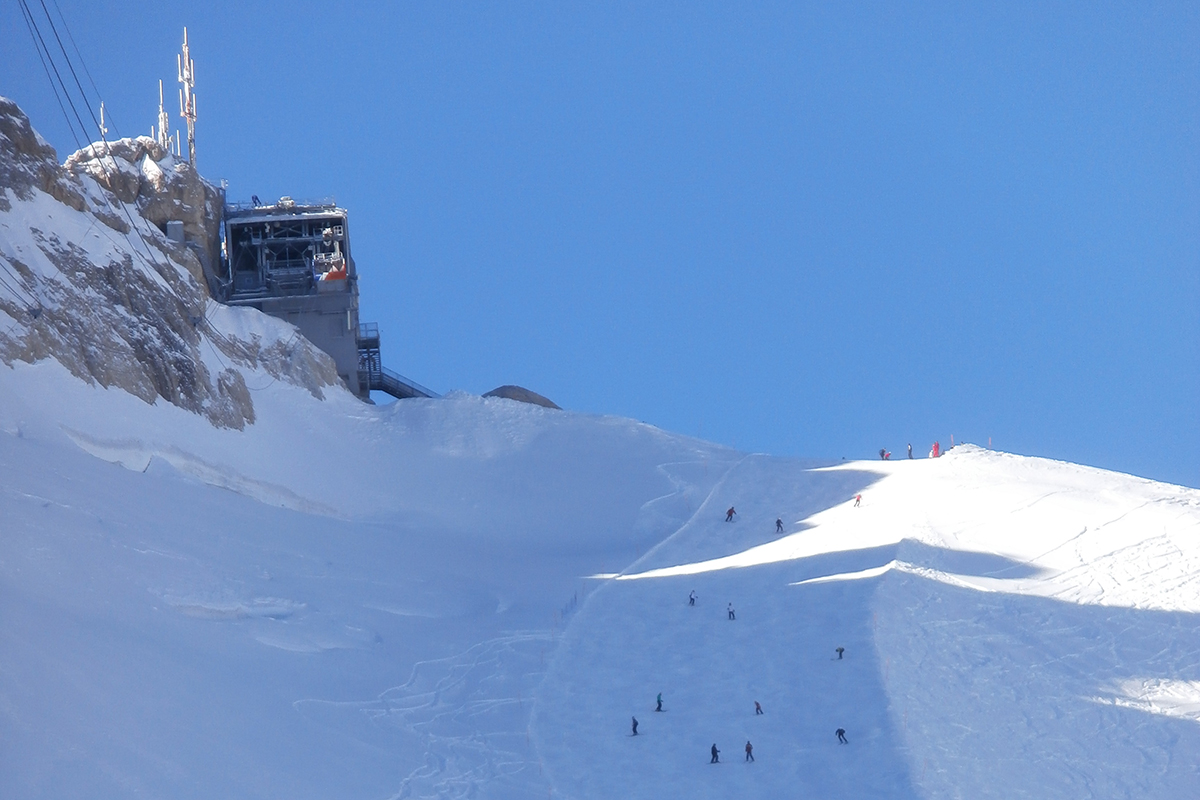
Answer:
(139, 171)
(521, 394)
(28, 162)
(117, 303)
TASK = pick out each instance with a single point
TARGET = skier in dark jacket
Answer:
(779, 526)
(757, 708)
(729, 514)
(659, 707)
(841, 734)
(839, 651)
(749, 751)
(714, 754)
(635, 726)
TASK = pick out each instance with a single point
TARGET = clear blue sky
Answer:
(782, 227)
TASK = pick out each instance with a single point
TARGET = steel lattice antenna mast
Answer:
(103, 129)
(187, 97)
(164, 121)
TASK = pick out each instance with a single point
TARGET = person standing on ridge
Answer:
(839, 651)
(635, 726)
(659, 706)
(714, 752)
(692, 598)
(910, 450)
(729, 514)
(757, 708)
(779, 526)
(731, 614)
(857, 500)
(882, 453)
(841, 734)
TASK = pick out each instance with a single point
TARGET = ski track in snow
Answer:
(468, 712)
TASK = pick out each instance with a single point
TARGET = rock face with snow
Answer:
(28, 162)
(90, 279)
(139, 171)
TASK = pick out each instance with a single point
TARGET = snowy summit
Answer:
(223, 575)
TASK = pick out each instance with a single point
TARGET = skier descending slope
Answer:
(841, 734)
(692, 598)
(715, 751)
(731, 614)
(729, 514)
(779, 526)
(635, 726)
(659, 706)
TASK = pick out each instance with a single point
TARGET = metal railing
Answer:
(393, 383)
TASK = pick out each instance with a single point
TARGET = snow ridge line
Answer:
(684, 527)
(136, 455)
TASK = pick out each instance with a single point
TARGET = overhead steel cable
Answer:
(70, 65)
(63, 92)
(115, 205)
(82, 63)
(48, 64)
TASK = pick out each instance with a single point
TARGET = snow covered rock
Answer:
(88, 278)
(141, 172)
(28, 162)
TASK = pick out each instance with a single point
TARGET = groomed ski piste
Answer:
(472, 598)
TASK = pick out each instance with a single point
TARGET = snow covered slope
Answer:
(256, 586)
(340, 600)
(1013, 627)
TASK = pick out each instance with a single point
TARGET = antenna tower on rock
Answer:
(164, 122)
(187, 95)
(103, 129)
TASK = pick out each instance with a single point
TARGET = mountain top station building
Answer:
(293, 261)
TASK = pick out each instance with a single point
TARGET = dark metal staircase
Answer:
(375, 377)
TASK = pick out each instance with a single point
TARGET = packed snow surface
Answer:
(474, 597)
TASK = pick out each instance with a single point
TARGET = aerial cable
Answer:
(54, 66)
(123, 208)
(70, 66)
(82, 63)
(39, 45)
(57, 83)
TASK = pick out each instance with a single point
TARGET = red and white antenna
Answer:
(187, 95)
